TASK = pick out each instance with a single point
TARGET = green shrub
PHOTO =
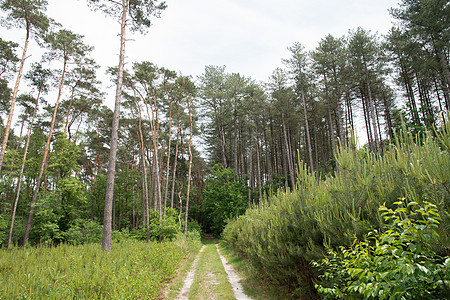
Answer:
(166, 229)
(396, 263)
(289, 229)
(84, 231)
(194, 226)
(224, 197)
(5, 223)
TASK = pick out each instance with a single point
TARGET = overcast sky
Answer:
(249, 37)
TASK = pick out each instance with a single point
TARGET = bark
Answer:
(308, 138)
(166, 189)
(330, 119)
(186, 212)
(175, 165)
(68, 109)
(14, 96)
(223, 145)
(258, 167)
(445, 73)
(156, 145)
(372, 112)
(106, 240)
(144, 167)
(19, 182)
(288, 152)
(250, 179)
(367, 122)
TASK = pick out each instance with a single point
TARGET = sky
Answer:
(249, 37)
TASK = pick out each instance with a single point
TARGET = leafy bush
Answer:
(224, 197)
(4, 229)
(83, 232)
(397, 263)
(166, 229)
(194, 226)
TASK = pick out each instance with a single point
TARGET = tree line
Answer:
(151, 154)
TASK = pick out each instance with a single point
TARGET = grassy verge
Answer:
(255, 286)
(173, 288)
(132, 270)
(211, 280)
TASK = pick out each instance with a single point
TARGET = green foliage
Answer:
(165, 229)
(63, 160)
(396, 263)
(83, 232)
(224, 197)
(4, 229)
(132, 270)
(194, 226)
(57, 211)
(287, 230)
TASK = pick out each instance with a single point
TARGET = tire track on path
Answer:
(190, 277)
(232, 277)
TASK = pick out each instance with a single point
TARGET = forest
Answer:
(274, 168)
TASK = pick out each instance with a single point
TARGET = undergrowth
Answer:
(132, 270)
(287, 230)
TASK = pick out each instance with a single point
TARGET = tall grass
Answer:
(132, 270)
(287, 230)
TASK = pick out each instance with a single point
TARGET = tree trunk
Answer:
(19, 182)
(144, 167)
(250, 168)
(445, 73)
(308, 138)
(14, 96)
(186, 212)
(288, 152)
(372, 112)
(175, 165)
(44, 159)
(106, 240)
(258, 168)
(166, 189)
(68, 109)
(330, 118)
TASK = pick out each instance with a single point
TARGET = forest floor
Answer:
(207, 276)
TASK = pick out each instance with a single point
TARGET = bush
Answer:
(194, 226)
(84, 231)
(289, 229)
(166, 229)
(224, 197)
(5, 223)
(397, 263)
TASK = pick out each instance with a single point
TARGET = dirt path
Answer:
(233, 278)
(190, 277)
(214, 278)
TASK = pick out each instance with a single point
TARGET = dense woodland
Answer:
(199, 150)
(55, 157)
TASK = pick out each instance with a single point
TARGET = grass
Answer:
(132, 270)
(255, 285)
(175, 285)
(211, 280)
